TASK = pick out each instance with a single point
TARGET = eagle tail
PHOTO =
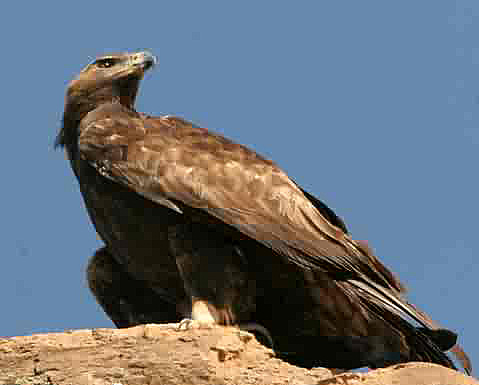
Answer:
(425, 343)
(456, 349)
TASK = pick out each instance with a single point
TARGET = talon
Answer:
(184, 324)
(189, 324)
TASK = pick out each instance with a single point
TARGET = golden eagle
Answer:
(199, 227)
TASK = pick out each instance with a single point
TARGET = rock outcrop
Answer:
(161, 355)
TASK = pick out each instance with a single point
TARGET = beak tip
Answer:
(149, 59)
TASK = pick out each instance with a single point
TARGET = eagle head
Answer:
(110, 78)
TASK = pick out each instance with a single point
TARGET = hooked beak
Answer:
(145, 60)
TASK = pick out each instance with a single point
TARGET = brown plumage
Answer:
(198, 226)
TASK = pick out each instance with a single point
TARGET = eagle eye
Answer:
(106, 63)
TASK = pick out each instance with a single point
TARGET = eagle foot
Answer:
(190, 324)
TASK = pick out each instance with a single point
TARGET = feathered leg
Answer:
(126, 300)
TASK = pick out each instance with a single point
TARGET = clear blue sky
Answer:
(371, 106)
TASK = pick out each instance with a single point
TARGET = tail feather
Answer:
(426, 341)
(425, 349)
(457, 350)
(443, 338)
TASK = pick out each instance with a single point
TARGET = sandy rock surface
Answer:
(162, 355)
